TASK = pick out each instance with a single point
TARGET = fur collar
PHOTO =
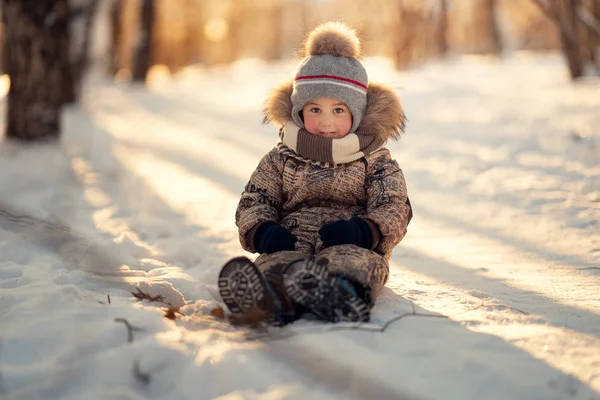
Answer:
(384, 115)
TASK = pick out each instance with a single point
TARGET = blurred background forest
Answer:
(126, 38)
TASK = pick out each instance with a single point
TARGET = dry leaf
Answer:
(253, 318)
(171, 313)
(218, 313)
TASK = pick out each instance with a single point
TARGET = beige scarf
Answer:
(331, 151)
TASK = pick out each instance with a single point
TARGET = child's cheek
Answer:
(345, 124)
(311, 125)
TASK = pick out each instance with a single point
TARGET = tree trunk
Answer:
(2, 28)
(496, 41)
(275, 13)
(80, 30)
(402, 42)
(569, 38)
(116, 36)
(37, 61)
(593, 39)
(143, 50)
(442, 28)
(487, 26)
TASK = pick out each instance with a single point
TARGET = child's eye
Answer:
(339, 110)
(315, 110)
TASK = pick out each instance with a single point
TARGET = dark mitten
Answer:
(271, 237)
(355, 231)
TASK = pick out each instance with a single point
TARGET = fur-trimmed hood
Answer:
(384, 115)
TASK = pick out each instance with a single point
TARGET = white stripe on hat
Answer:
(332, 82)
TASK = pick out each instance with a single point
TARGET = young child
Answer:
(327, 205)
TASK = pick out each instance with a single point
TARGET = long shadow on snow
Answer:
(414, 341)
(191, 112)
(137, 203)
(576, 261)
(559, 315)
(194, 165)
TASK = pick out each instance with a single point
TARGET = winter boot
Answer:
(330, 297)
(242, 287)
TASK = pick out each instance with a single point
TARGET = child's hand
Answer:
(355, 231)
(271, 238)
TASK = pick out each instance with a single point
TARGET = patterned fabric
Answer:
(331, 151)
(303, 193)
(303, 196)
(360, 265)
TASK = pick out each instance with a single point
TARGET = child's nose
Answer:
(326, 120)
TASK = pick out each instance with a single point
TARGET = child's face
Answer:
(327, 117)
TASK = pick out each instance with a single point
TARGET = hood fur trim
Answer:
(384, 115)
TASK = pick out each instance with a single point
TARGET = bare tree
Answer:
(491, 20)
(442, 27)
(116, 31)
(568, 14)
(589, 13)
(486, 25)
(2, 27)
(143, 48)
(80, 28)
(37, 61)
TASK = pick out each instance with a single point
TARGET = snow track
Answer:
(501, 161)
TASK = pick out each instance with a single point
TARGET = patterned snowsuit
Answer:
(302, 195)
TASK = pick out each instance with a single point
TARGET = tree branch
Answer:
(548, 10)
(588, 20)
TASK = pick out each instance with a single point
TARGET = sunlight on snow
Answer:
(494, 260)
(183, 140)
(4, 85)
(203, 202)
(84, 174)
(159, 76)
(565, 349)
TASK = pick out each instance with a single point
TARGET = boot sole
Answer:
(310, 284)
(242, 288)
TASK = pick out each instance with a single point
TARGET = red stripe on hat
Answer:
(339, 78)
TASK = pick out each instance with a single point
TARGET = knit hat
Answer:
(331, 69)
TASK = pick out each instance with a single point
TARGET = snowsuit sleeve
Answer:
(387, 201)
(261, 200)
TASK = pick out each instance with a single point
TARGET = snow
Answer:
(495, 288)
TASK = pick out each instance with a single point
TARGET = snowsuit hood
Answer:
(302, 194)
(384, 115)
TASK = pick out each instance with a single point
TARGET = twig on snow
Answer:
(130, 328)
(377, 329)
(145, 296)
(143, 377)
(484, 304)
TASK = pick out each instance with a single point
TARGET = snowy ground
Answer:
(502, 162)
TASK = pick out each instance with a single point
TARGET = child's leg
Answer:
(360, 266)
(243, 287)
(309, 283)
(272, 265)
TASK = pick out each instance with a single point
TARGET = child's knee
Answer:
(266, 262)
(359, 265)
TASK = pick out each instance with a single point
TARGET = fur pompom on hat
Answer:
(333, 38)
(331, 68)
